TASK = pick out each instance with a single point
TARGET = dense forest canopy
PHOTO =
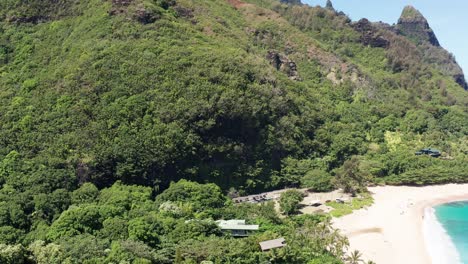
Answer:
(104, 103)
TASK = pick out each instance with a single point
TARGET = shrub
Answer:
(289, 201)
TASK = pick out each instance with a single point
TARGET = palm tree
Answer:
(354, 257)
(343, 245)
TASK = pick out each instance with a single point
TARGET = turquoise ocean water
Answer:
(454, 219)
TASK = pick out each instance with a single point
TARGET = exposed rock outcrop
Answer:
(414, 25)
(370, 35)
(139, 11)
(282, 63)
(460, 79)
(291, 2)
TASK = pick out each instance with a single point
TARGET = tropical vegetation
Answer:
(125, 125)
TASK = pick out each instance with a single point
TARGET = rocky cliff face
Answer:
(415, 26)
(460, 79)
(281, 62)
(370, 35)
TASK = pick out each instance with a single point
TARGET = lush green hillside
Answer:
(250, 96)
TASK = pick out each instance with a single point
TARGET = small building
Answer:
(271, 244)
(429, 151)
(237, 228)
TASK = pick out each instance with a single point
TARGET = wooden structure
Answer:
(271, 244)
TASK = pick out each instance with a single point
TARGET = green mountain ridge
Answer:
(92, 82)
(117, 99)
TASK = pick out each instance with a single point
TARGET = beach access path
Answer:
(390, 231)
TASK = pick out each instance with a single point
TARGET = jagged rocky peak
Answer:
(329, 5)
(414, 25)
(410, 13)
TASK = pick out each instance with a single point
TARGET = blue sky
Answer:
(448, 19)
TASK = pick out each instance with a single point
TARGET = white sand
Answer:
(391, 230)
(438, 243)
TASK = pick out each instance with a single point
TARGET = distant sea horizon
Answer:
(453, 219)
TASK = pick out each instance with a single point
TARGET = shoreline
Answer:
(391, 230)
(424, 208)
(439, 245)
(451, 253)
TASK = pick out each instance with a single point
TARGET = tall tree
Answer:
(351, 178)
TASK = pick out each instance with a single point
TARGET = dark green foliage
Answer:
(83, 248)
(76, 221)
(417, 121)
(200, 197)
(221, 250)
(434, 174)
(195, 229)
(293, 170)
(34, 11)
(146, 229)
(131, 251)
(108, 231)
(114, 229)
(143, 107)
(317, 181)
(49, 207)
(263, 214)
(289, 201)
(106, 106)
(87, 193)
(351, 177)
(10, 235)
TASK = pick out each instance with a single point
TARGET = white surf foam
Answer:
(438, 243)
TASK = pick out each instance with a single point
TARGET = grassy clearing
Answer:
(341, 209)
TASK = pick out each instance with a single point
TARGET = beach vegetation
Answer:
(340, 209)
(354, 257)
(125, 223)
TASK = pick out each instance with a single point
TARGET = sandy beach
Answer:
(391, 230)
